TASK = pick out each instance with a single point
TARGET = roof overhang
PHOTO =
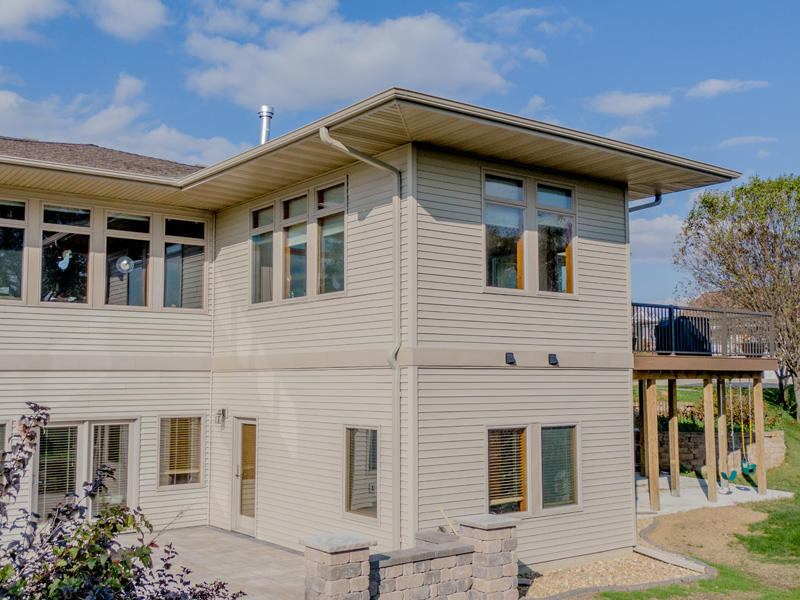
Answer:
(379, 124)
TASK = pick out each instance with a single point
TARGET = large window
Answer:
(65, 254)
(330, 244)
(559, 466)
(504, 222)
(362, 472)
(184, 263)
(262, 237)
(110, 450)
(127, 259)
(12, 245)
(295, 247)
(179, 451)
(508, 479)
(555, 225)
(57, 468)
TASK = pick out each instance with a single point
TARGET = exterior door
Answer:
(244, 476)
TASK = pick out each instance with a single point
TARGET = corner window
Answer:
(295, 247)
(559, 466)
(179, 451)
(504, 223)
(556, 231)
(362, 472)
(65, 254)
(184, 264)
(262, 259)
(330, 244)
(127, 259)
(508, 489)
(12, 246)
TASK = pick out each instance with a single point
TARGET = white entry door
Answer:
(244, 476)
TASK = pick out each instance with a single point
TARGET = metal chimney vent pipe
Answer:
(265, 114)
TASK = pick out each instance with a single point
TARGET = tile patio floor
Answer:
(264, 571)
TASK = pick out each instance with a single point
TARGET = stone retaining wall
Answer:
(479, 564)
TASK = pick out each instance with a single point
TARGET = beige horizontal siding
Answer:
(456, 406)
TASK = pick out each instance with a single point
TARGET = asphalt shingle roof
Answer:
(89, 155)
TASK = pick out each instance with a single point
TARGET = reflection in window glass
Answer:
(296, 207)
(134, 223)
(263, 217)
(330, 197)
(504, 187)
(504, 246)
(331, 253)
(559, 467)
(183, 276)
(555, 197)
(126, 271)
(12, 242)
(65, 267)
(294, 261)
(262, 267)
(555, 252)
(65, 215)
(110, 450)
(186, 229)
(12, 209)
(362, 472)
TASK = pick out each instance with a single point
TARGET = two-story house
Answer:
(409, 306)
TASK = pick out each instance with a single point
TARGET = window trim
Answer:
(346, 514)
(570, 508)
(203, 433)
(130, 235)
(529, 496)
(23, 224)
(163, 239)
(573, 212)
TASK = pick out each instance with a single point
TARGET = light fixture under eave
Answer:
(125, 264)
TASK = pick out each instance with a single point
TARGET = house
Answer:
(410, 306)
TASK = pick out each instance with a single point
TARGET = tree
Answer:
(745, 243)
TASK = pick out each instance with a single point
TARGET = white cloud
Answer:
(119, 122)
(652, 240)
(713, 87)
(628, 133)
(535, 55)
(744, 140)
(339, 61)
(535, 104)
(299, 12)
(127, 19)
(628, 105)
(562, 27)
(508, 20)
(18, 16)
(764, 153)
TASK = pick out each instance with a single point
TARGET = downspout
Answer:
(324, 135)
(652, 204)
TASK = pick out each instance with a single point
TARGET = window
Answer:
(65, 254)
(504, 222)
(110, 449)
(3, 440)
(555, 239)
(362, 472)
(262, 236)
(57, 467)
(295, 247)
(12, 245)
(330, 244)
(179, 451)
(184, 264)
(127, 259)
(559, 466)
(508, 489)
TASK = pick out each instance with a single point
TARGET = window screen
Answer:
(58, 452)
(179, 451)
(110, 449)
(507, 471)
(559, 467)
(362, 472)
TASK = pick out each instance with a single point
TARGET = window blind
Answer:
(362, 474)
(507, 471)
(3, 440)
(110, 449)
(559, 467)
(179, 451)
(58, 453)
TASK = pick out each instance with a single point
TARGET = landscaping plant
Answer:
(69, 555)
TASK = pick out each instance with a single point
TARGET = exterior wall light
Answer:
(510, 360)
(552, 359)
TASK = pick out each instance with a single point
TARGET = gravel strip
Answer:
(631, 570)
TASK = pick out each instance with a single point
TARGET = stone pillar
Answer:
(494, 563)
(337, 567)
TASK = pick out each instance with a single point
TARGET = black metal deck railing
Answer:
(684, 330)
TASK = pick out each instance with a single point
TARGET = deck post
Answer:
(653, 470)
(722, 427)
(758, 408)
(642, 430)
(674, 444)
(711, 458)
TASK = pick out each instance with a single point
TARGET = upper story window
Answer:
(127, 259)
(184, 263)
(298, 245)
(66, 242)
(512, 215)
(12, 245)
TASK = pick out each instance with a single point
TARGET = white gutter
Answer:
(397, 340)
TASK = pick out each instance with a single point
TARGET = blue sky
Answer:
(184, 79)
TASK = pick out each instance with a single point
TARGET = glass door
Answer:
(244, 476)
